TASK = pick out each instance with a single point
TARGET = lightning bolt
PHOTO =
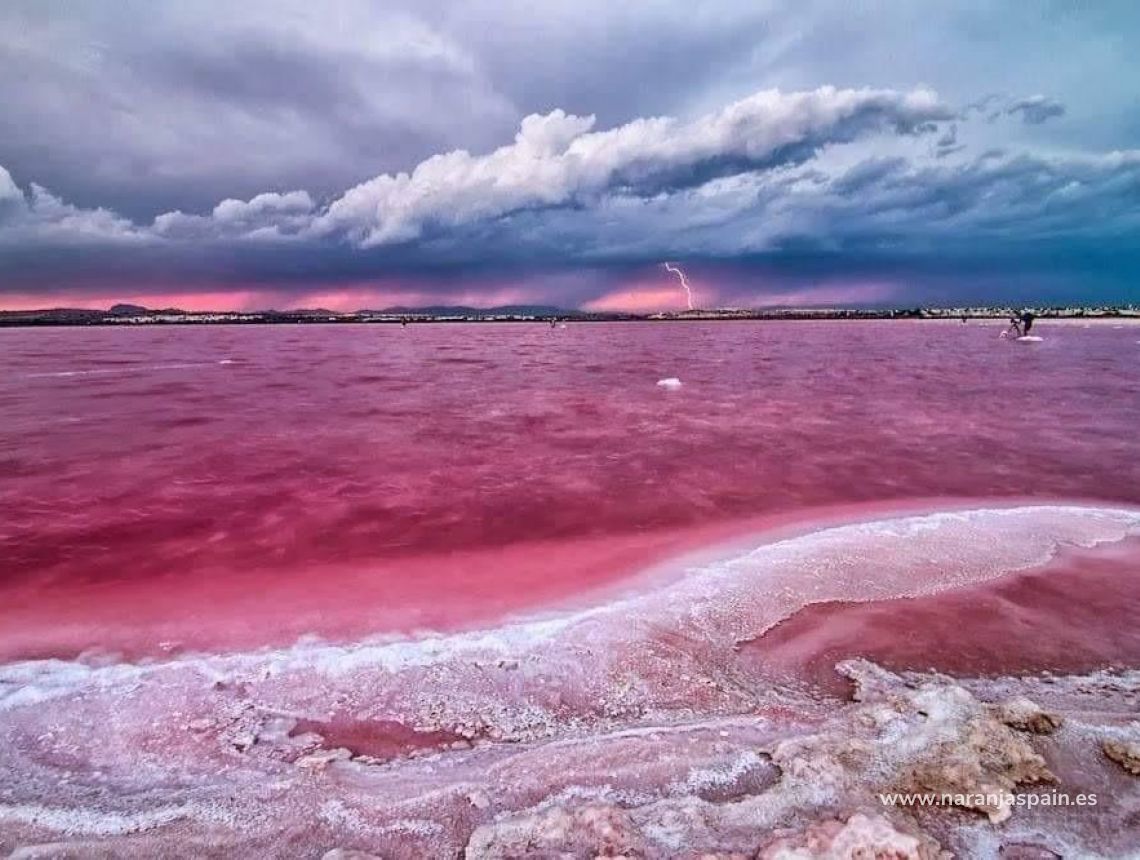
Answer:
(669, 267)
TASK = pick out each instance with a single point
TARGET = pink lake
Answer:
(167, 488)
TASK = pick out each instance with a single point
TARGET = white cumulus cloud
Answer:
(559, 160)
(266, 216)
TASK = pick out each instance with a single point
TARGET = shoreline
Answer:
(67, 318)
(339, 608)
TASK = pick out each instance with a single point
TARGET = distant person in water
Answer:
(1027, 318)
(1014, 326)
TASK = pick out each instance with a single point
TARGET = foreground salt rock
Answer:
(1124, 753)
(587, 831)
(943, 741)
(607, 831)
(931, 737)
(873, 837)
(1027, 716)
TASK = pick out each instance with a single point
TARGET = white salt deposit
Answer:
(630, 720)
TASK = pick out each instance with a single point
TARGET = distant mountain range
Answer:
(131, 314)
(129, 310)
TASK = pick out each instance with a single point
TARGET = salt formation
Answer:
(869, 836)
(959, 748)
(632, 728)
(1023, 714)
(588, 830)
(900, 736)
(1124, 753)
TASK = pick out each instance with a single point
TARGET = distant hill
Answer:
(125, 310)
(301, 312)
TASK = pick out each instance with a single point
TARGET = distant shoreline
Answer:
(144, 316)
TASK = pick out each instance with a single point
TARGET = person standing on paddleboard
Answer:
(1027, 318)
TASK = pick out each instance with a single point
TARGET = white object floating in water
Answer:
(1030, 338)
(672, 382)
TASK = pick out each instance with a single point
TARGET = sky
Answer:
(349, 155)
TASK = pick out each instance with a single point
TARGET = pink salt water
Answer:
(1070, 615)
(236, 486)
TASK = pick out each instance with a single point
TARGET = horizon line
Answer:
(129, 309)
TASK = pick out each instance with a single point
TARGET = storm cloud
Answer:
(1036, 109)
(284, 153)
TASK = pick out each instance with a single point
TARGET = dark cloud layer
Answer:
(453, 148)
(1036, 109)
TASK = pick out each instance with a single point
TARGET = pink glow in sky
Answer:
(640, 299)
(229, 300)
(646, 292)
(350, 298)
(647, 295)
(207, 301)
(342, 298)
